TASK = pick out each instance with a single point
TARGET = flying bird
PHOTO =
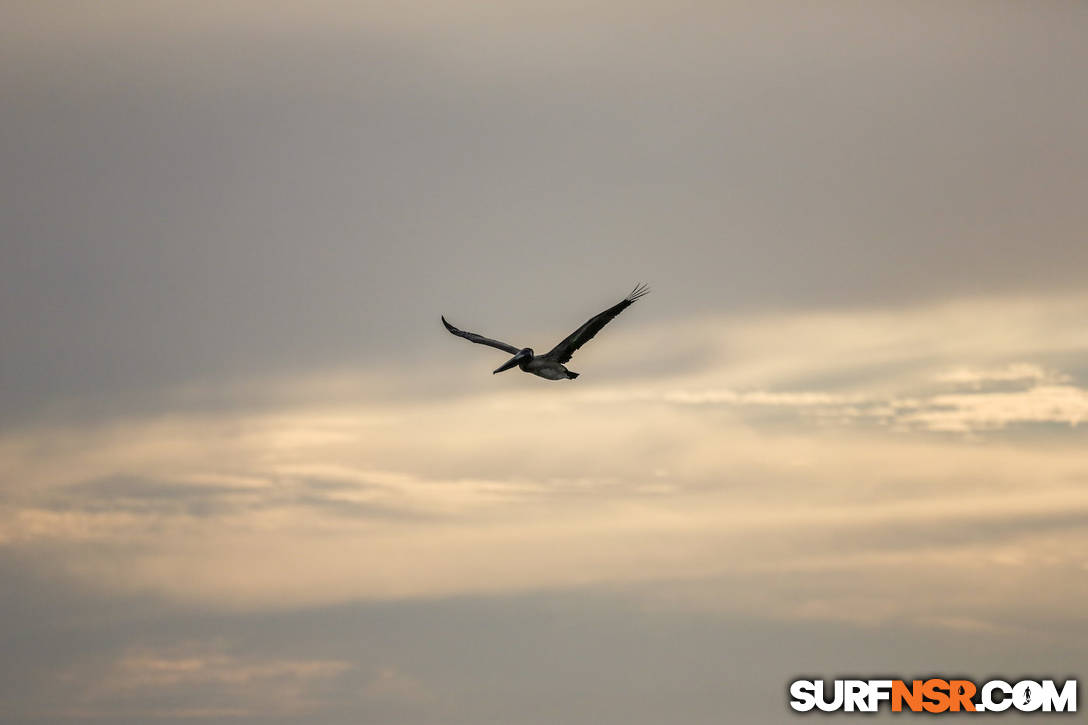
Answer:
(550, 364)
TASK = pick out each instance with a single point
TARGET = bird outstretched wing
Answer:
(480, 339)
(562, 352)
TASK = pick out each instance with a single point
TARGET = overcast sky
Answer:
(245, 473)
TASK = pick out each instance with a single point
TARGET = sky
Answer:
(247, 477)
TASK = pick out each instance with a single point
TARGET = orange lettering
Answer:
(961, 692)
(913, 696)
(932, 690)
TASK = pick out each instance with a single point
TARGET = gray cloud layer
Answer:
(200, 192)
(246, 477)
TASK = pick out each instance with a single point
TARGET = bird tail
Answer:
(571, 376)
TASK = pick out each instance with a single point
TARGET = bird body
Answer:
(548, 369)
(550, 365)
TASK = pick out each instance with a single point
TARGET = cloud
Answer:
(1063, 404)
(397, 140)
(954, 413)
(848, 417)
(1012, 373)
(199, 681)
(820, 444)
(392, 685)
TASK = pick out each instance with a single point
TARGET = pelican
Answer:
(550, 364)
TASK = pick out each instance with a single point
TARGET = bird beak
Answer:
(508, 364)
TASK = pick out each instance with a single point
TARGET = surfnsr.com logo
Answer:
(934, 695)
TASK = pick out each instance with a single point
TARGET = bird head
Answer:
(526, 353)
